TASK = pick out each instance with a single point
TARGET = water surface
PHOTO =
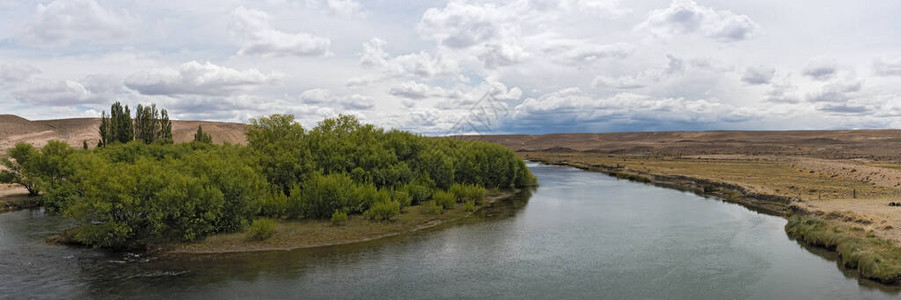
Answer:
(580, 235)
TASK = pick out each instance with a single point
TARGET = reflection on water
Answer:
(580, 235)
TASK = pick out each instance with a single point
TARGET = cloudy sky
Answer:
(516, 66)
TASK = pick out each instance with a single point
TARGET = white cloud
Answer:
(345, 7)
(462, 25)
(888, 67)
(674, 66)
(57, 93)
(16, 71)
(420, 64)
(821, 68)
(758, 75)
(259, 38)
(195, 78)
(357, 102)
(783, 92)
(62, 21)
(836, 92)
(688, 17)
(316, 96)
(580, 52)
(416, 90)
(499, 55)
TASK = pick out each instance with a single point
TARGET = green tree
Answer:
(105, 130)
(19, 168)
(202, 137)
(165, 133)
(280, 150)
(50, 165)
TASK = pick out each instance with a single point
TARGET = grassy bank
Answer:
(873, 257)
(291, 234)
(839, 211)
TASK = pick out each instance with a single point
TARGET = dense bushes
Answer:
(185, 198)
(135, 193)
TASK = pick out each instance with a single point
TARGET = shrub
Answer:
(363, 196)
(468, 192)
(339, 218)
(402, 198)
(470, 206)
(262, 229)
(432, 208)
(383, 210)
(418, 193)
(444, 199)
(274, 204)
(323, 194)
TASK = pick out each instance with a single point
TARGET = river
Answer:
(579, 235)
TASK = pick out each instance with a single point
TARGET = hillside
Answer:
(14, 129)
(834, 144)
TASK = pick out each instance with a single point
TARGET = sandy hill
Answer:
(14, 129)
(879, 144)
(876, 144)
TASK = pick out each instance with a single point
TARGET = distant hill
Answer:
(877, 144)
(14, 129)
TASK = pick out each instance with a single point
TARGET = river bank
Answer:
(865, 242)
(291, 235)
(13, 198)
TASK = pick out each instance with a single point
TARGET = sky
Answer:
(448, 67)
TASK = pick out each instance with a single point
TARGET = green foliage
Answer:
(433, 208)
(418, 193)
(169, 197)
(150, 125)
(467, 192)
(470, 206)
(262, 229)
(402, 198)
(383, 210)
(201, 137)
(873, 257)
(444, 199)
(280, 150)
(132, 193)
(323, 194)
(339, 218)
(274, 204)
(20, 167)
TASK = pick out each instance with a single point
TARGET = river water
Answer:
(580, 235)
